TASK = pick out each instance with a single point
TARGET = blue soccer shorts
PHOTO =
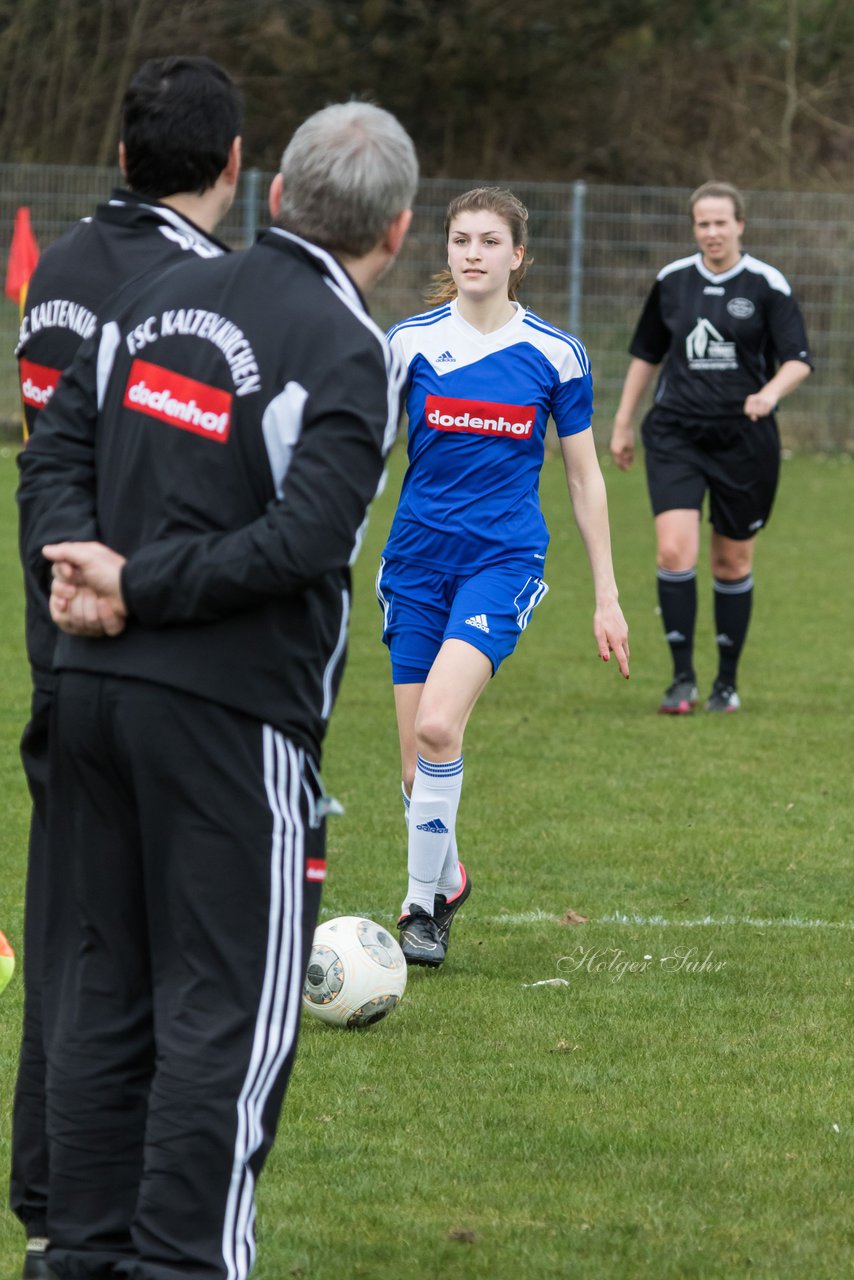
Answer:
(423, 607)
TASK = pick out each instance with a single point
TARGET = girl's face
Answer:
(718, 232)
(481, 254)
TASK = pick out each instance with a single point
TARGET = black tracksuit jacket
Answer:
(128, 238)
(225, 431)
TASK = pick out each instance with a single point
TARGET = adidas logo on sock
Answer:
(435, 826)
(478, 620)
(445, 358)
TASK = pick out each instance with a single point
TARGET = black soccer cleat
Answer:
(419, 938)
(35, 1261)
(681, 698)
(723, 698)
(444, 909)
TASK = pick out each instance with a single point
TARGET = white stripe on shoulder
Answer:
(424, 319)
(680, 264)
(396, 371)
(344, 289)
(182, 232)
(775, 278)
(282, 426)
(535, 322)
(107, 348)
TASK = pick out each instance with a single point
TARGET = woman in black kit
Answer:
(716, 325)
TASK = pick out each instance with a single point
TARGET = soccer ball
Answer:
(356, 973)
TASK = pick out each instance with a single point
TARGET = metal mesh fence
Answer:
(596, 251)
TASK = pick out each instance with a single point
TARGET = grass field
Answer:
(682, 1106)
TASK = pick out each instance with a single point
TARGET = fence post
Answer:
(576, 255)
(251, 187)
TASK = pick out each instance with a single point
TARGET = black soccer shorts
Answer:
(733, 459)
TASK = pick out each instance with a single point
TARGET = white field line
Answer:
(619, 918)
(750, 922)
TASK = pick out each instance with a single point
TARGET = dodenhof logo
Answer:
(38, 383)
(480, 417)
(179, 401)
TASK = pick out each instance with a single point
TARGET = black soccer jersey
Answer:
(721, 336)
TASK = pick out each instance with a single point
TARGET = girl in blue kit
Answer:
(462, 571)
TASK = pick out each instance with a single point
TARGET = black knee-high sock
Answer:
(733, 602)
(677, 599)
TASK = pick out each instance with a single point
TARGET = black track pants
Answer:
(196, 850)
(28, 1175)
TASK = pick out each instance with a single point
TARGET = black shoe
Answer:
(444, 909)
(35, 1261)
(419, 938)
(681, 698)
(723, 698)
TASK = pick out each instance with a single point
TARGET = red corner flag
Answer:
(23, 256)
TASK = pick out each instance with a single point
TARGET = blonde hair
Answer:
(720, 191)
(503, 204)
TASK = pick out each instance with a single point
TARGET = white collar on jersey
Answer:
(722, 276)
(477, 334)
(174, 219)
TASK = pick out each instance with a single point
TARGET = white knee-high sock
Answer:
(450, 878)
(432, 824)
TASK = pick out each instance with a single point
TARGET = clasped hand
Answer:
(86, 594)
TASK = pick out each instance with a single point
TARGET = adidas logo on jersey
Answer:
(435, 826)
(478, 620)
(445, 358)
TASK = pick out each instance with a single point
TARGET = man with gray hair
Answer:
(221, 437)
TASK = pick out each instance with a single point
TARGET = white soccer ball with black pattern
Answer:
(356, 973)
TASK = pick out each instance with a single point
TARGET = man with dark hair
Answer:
(222, 437)
(180, 117)
(180, 153)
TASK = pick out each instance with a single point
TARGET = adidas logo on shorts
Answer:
(478, 620)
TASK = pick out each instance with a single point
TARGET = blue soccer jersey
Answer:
(478, 407)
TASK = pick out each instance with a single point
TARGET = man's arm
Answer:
(56, 491)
